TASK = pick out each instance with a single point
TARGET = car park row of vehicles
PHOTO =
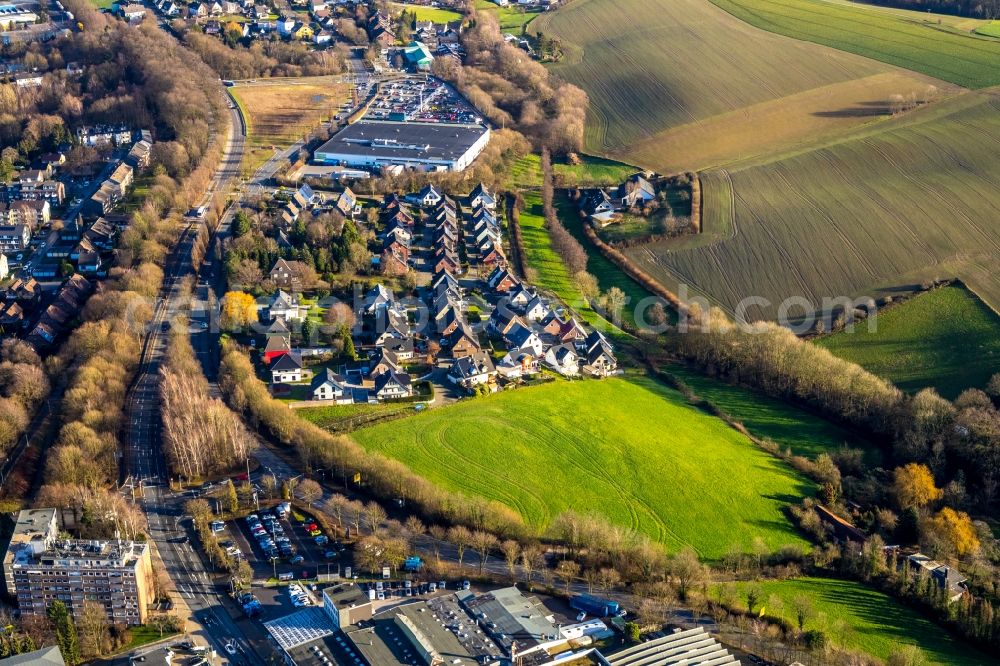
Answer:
(382, 590)
(299, 596)
(271, 537)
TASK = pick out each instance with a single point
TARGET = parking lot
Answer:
(278, 546)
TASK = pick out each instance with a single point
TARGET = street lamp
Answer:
(274, 563)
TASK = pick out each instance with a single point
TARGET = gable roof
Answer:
(287, 362)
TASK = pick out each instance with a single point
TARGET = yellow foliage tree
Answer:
(955, 529)
(914, 486)
(239, 310)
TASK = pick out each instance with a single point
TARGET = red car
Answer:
(311, 526)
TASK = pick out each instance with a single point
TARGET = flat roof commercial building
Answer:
(115, 574)
(374, 144)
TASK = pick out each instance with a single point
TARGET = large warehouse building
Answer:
(371, 144)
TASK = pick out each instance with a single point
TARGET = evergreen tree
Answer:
(65, 632)
(349, 351)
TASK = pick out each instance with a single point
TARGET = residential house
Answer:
(23, 291)
(284, 306)
(287, 368)
(287, 274)
(598, 206)
(32, 213)
(276, 347)
(28, 79)
(502, 321)
(469, 371)
(481, 197)
(393, 385)
(328, 385)
(11, 317)
(945, 576)
(347, 203)
(537, 309)
(378, 298)
(636, 191)
(4, 267)
(427, 197)
(463, 342)
(517, 364)
(600, 358)
(122, 176)
(563, 359)
(501, 280)
(132, 12)
(523, 339)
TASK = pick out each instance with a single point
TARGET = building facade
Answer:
(115, 574)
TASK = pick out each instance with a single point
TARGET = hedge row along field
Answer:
(864, 216)
(633, 451)
(946, 338)
(676, 66)
(919, 45)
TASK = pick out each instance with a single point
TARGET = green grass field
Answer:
(541, 256)
(510, 18)
(903, 41)
(766, 418)
(876, 212)
(428, 13)
(608, 275)
(859, 618)
(592, 171)
(991, 29)
(683, 84)
(631, 450)
(946, 338)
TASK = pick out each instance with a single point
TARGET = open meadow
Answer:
(945, 338)
(875, 213)
(280, 111)
(858, 618)
(919, 43)
(631, 450)
(663, 84)
(766, 418)
(510, 18)
(425, 13)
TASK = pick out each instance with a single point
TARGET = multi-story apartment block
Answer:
(35, 531)
(116, 574)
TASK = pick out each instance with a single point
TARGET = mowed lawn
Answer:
(905, 41)
(424, 13)
(861, 619)
(688, 64)
(875, 212)
(510, 18)
(945, 338)
(281, 111)
(631, 450)
(804, 433)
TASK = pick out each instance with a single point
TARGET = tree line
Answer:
(202, 437)
(563, 242)
(512, 90)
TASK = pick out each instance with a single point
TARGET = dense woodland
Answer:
(128, 73)
(235, 60)
(512, 90)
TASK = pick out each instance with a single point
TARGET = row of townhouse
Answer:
(59, 315)
(537, 334)
(485, 241)
(397, 221)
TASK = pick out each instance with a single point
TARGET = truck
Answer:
(595, 606)
(413, 563)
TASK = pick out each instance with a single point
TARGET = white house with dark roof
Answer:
(393, 385)
(287, 368)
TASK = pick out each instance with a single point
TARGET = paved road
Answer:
(144, 462)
